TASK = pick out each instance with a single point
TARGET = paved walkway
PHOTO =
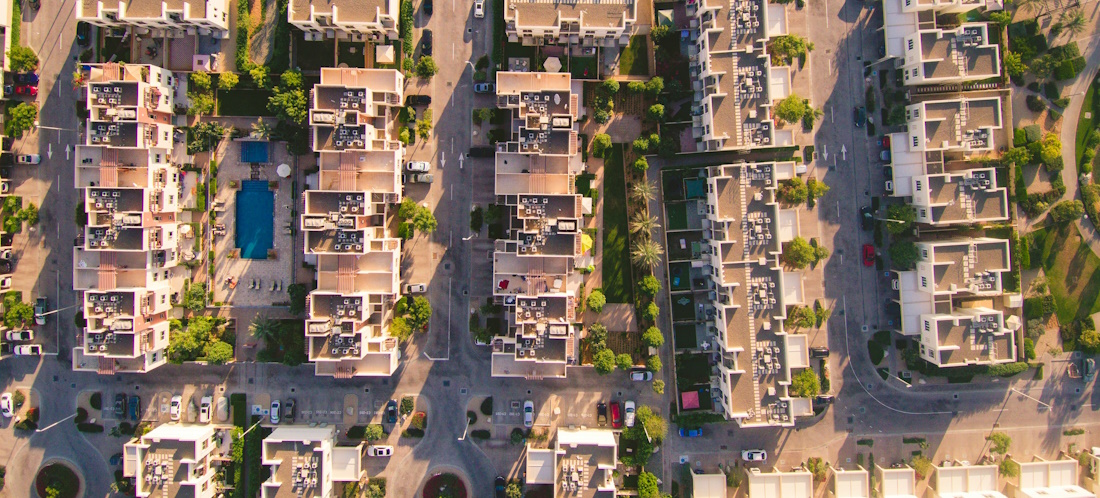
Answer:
(1076, 91)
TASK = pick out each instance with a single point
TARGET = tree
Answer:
(659, 33)
(899, 218)
(22, 59)
(604, 361)
(426, 67)
(22, 118)
(200, 103)
(373, 432)
(786, 47)
(904, 254)
(806, 384)
(650, 285)
(289, 105)
(596, 300)
(647, 486)
(1009, 468)
(16, 313)
(291, 78)
(644, 191)
(654, 86)
(259, 76)
(419, 312)
(653, 363)
(793, 191)
(642, 224)
(1000, 442)
(1050, 150)
(264, 329)
(1014, 64)
(656, 112)
(816, 189)
(424, 221)
(656, 426)
(799, 253)
(218, 353)
(424, 125)
(651, 312)
(200, 81)
(513, 490)
(610, 87)
(640, 145)
(1088, 341)
(802, 316)
(1067, 211)
(1019, 156)
(646, 253)
(597, 335)
(653, 338)
(29, 214)
(601, 143)
(641, 165)
(194, 298)
(1073, 20)
(403, 136)
(407, 209)
(637, 87)
(624, 361)
(792, 108)
(658, 386)
(261, 129)
(399, 328)
(228, 81)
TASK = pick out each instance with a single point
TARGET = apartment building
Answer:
(734, 82)
(950, 302)
(745, 230)
(170, 18)
(305, 462)
(938, 55)
(374, 20)
(967, 197)
(127, 262)
(534, 265)
(776, 484)
(1049, 479)
(962, 480)
(173, 460)
(581, 464)
(896, 482)
(588, 23)
(345, 208)
(959, 124)
(849, 483)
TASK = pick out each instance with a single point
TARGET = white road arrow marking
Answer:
(461, 157)
(843, 152)
(49, 150)
(67, 150)
(825, 152)
(442, 159)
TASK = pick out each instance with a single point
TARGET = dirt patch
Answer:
(263, 30)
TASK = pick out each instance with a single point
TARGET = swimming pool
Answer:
(255, 219)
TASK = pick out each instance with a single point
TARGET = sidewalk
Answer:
(1077, 89)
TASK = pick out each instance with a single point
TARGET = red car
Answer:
(868, 255)
(616, 416)
(26, 90)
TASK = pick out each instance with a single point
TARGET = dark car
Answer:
(696, 432)
(25, 79)
(859, 114)
(6, 266)
(498, 487)
(135, 408)
(426, 42)
(417, 100)
(35, 4)
(485, 88)
(83, 33)
(866, 218)
(483, 151)
(427, 7)
(120, 405)
(819, 352)
(289, 410)
(868, 255)
(391, 411)
(616, 415)
(601, 414)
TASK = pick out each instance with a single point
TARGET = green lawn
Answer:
(583, 68)
(243, 103)
(351, 53)
(1071, 269)
(16, 23)
(683, 307)
(634, 59)
(692, 369)
(617, 284)
(1085, 125)
(685, 335)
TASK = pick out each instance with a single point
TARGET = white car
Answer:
(28, 158)
(479, 9)
(641, 375)
(418, 166)
(274, 414)
(754, 455)
(528, 413)
(416, 288)
(628, 409)
(380, 451)
(204, 409)
(7, 407)
(176, 408)
(20, 335)
(28, 350)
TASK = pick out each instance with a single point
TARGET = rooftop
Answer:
(955, 124)
(973, 264)
(977, 337)
(798, 484)
(967, 197)
(740, 96)
(591, 13)
(965, 53)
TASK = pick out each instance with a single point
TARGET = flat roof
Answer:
(957, 264)
(591, 13)
(959, 123)
(976, 337)
(971, 196)
(797, 484)
(961, 53)
(741, 114)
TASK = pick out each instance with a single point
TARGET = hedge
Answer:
(480, 434)
(89, 427)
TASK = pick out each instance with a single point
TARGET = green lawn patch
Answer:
(692, 369)
(351, 53)
(313, 55)
(685, 335)
(684, 246)
(672, 185)
(1072, 271)
(617, 282)
(683, 307)
(243, 102)
(677, 216)
(1086, 124)
(16, 23)
(679, 276)
(583, 68)
(634, 59)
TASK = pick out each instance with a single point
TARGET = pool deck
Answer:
(266, 271)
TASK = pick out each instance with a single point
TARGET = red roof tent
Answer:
(689, 400)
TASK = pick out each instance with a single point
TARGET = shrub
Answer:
(600, 144)
(419, 421)
(1019, 137)
(656, 112)
(1033, 133)
(373, 432)
(624, 361)
(1035, 104)
(22, 59)
(640, 145)
(89, 428)
(651, 312)
(641, 165)
(1067, 211)
(1029, 349)
(653, 337)
(604, 361)
(481, 434)
(793, 191)
(653, 363)
(609, 87)
(655, 86)
(487, 407)
(596, 301)
(81, 415)
(650, 286)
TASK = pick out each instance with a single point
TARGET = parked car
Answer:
(28, 350)
(528, 413)
(418, 166)
(41, 306)
(135, 408)
(379, 450)
(499, 485)
(696, 432)
(35, 4)
(24, 90)
(866, 218)
(28, 159)
(7, 266)
(628, 409)
(83, 33)
(485, 88)
(754, 455)
(426, 37)
(479, 9)
(868, 255)
(427, 7)
(885, 156)
(416, 288)
(418, 178)
(205, 407)
(616, 415)
(391, 411)
(885, 142)
(274, 414)
(20, 335)
(417, 100)
(859, 115)
(7, 406)
(641, 375)
(25, 79)
(601, 414)
(175, 409)
(120, 405)
(289, 410)
(819, 352)
(482, 151)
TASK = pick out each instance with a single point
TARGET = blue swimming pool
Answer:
(255, 219)
(254, 152)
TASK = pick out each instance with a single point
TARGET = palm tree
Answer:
(646, 253)
(1073, 20)
(644, 190)
(264, 329)
(644, 224)
(260, 129)
(1030, 4)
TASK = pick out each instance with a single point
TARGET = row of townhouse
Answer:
(127, 262)
(185, 460)
(535, 265)
(929, 54)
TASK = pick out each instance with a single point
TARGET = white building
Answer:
(587, 23)
(896, 482)
(1049, 479)
(967, 197)
(127, 265)
(355, 20)
(930, 54)
(775, 484)
(171, 18)
(965, 481)
(580, 464)
(173, 460)
(849, 483)
(304, 462)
